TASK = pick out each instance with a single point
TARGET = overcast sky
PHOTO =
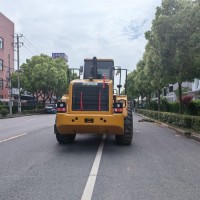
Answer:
(82, 28)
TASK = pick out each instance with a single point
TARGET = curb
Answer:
(188, 134)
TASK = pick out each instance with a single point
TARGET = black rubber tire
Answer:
(64, 138)
(126, 138)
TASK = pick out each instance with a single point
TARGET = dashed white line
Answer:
(87, 193)
(14, 137)
(28, 120)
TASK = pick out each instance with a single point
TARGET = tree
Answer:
(176, 30)
(62, 78)
(154, 70)
(132, 92)
(44, 77)
(142, 81)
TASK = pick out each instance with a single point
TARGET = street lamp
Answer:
(119, 69)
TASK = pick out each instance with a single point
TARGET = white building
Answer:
(188, 88)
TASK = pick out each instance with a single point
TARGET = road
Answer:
(159, 165)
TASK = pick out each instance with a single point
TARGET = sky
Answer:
(82, 28)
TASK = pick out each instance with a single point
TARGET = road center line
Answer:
(14, 137)
(87, 193)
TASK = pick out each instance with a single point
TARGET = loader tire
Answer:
(64, 139)
(126, 138)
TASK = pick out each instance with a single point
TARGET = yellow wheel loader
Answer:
(92, 107)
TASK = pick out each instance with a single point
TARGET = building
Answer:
(60, 55)
(6, 56)
(188, 89)
(196, 89)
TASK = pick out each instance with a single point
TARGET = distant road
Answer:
(159, 165)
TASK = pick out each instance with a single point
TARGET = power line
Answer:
(30, 44)
(29, 49)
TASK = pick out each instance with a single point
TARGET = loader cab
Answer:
(98, 68)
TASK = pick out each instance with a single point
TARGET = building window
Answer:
(1, 84)
(165, 91)
(1, 43)
(171, 88)
(1, 65)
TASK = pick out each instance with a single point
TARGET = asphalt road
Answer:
(159, 165)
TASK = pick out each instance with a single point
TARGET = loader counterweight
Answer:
(97, 124)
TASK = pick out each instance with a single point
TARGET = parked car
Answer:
(50, 108)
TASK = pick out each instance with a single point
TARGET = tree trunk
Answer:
(159, 100)
(149, 100)
(180, 97)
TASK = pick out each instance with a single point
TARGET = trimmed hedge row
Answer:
(189, 108)
(185, 121)
(26, 108)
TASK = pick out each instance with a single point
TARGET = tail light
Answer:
(118, 107)
(61, 107)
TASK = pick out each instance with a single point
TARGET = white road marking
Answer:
(87, 193)
(28, 120)
(14, 137)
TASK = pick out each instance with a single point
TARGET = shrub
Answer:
(4, 112)
(153, 105)
(185, 121)
(165, 105)
(186, 100)
(174, 107)
(196, 123)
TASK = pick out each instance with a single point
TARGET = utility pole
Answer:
(10, 86)
(19, 44)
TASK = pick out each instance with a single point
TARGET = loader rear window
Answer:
(90, 97)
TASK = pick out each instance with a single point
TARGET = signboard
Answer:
(60, 55)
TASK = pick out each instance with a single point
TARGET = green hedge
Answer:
(39, 111)
(184, 121)
(191, 108)
(4, 109)
(26, 108)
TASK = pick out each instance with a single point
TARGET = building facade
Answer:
(6, 56)
(188, 89)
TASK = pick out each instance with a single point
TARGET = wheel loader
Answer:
(91, 106)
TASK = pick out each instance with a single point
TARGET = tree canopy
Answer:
(172, 53)
(43, 76)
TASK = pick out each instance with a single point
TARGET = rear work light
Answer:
(118, 107)
(61, 107)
